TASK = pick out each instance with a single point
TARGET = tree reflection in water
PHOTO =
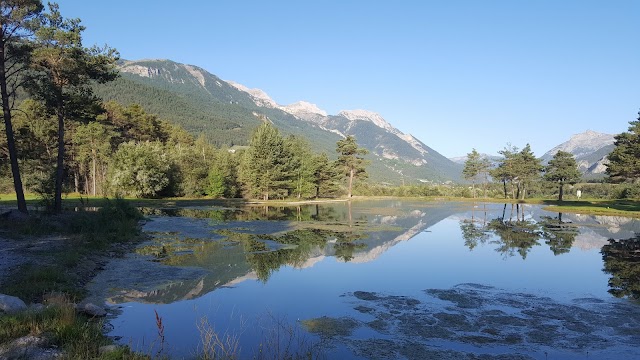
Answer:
(518, 234)
(622, 261)
(475, 230)
(515, 236)
(303, 243)
(559, 235)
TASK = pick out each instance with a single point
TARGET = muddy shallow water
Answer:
(380, 279)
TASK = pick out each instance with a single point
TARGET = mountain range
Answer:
(226, 113)
(590, 149)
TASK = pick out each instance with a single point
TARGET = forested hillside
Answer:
(225, 115)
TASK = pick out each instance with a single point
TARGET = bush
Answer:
(140, 170)
(631, 191)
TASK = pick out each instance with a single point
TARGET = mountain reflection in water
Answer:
(305, 261)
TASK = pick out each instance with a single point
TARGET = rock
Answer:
(29, 347)
(36, 307)
(10, 304)
(93, 310)
(15, 215)
(107, 349)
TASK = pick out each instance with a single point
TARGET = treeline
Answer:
(538, 189)
(127, 151)
(233, 124)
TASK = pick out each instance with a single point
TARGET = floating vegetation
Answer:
(481, 322)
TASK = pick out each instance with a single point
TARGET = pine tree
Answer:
(63, 72)
(351, 160)
(325, 176)
(17, 21)
(266, 169)
(624, 160)
(562, 169)
(527, 170)
(302, 159)
(475, 166)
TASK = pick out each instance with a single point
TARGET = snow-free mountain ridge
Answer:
(310, 112)
(226, 113)
(590, 150)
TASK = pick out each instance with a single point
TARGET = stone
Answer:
(93, 310)
(108, 349)
(15, 215)
(10, 304)
(29, 347)
(37, 307)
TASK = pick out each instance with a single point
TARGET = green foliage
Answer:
(304, 165)
(621, 260)
(78, 336)
(519, 168)
(140, 170)
(267, 169)
(223, 175)
(18, 18)
(351, 160)
(476, 166)
(92, 150)
(62, 73)
(115, 221)
(562, 169)
(326, 179)
(216, 184)
(624, 160)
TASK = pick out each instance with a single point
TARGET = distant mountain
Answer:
(462, 159)
(227, 112)
(402, 156)
(590, 149)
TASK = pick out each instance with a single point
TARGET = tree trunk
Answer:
(560, 192)
(93, 160)
(473, 188)
(11, 144)
(57, 202)
(504, 185)
(350, 181)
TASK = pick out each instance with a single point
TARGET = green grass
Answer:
(78, 336)
(82, 233)
(32, 282)
(630, 208)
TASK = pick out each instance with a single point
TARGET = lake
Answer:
(378, 279)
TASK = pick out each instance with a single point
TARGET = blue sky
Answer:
(456, 74)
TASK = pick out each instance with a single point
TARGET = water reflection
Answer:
(518, 233)
(559, 235)
(231, 245)
(248, 260)
(622, 260)
(249, 213)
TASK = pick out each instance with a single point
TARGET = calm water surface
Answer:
(381, 279)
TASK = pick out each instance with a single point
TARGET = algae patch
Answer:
(471, 321)
(328, 327)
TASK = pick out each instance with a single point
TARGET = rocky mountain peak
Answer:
(260, 97)
(583, 143)
(303, 107)
(366, 115)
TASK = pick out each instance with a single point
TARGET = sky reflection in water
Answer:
(386, 247)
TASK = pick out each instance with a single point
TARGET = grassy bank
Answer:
(62, 253)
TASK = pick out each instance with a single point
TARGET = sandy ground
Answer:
(11, 256)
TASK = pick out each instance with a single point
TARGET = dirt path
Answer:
(12, 255)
